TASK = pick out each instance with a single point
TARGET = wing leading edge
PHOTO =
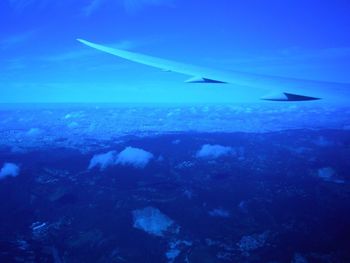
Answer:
(283, 89)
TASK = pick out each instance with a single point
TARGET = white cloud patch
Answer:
(103, 160)
(73, 125)
(152, 221)
(219, 212)
(34, 132)
(9, 169)
(252, 242)
(175, 248)
(130, 156)
(135, 157)
(328, 174)
(74, 115)
(213, 151)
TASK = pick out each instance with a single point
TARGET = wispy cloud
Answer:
(130, 6)
(84, 52)
(16, 39)
(291, 55)
(93, 6)
(297, 54)
(133, 6)
(69, 55)
(15, 64)
(21, 5)
(89, 7)
(327, 64)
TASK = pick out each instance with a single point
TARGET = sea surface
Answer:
(265, 182)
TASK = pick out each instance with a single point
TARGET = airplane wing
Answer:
(278, 88)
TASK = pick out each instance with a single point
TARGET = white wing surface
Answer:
(278, 88)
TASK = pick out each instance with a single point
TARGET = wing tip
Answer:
(82, 40)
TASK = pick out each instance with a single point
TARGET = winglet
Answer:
(284, 96)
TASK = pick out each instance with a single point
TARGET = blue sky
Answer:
(40, 60)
